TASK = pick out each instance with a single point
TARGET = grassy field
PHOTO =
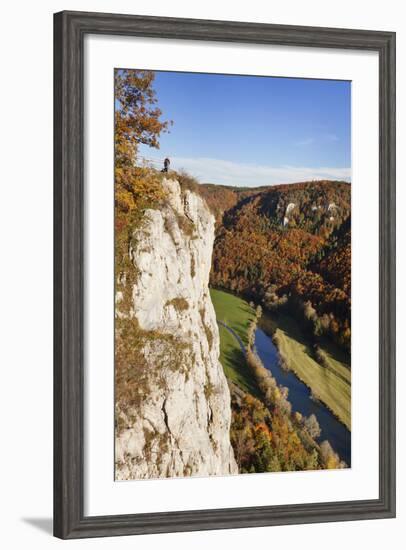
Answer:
(236, 314)
(338, 361)
(332, 385)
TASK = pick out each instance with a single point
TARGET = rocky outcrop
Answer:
(180, 425)
(290, 207)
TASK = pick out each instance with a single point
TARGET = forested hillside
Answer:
(221, 198)
(288, 246)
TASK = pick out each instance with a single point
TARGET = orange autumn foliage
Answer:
(137, 120)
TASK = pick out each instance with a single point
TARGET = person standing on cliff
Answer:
(166, 165)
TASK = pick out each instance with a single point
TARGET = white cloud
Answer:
(304, 142)
(332, 137)
(225, 172)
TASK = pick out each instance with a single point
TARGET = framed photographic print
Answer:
(224, 275)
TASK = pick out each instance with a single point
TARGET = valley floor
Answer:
(236, 314)
(330, 383)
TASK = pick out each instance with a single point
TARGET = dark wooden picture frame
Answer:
(70, 29)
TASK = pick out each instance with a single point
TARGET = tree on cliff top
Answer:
(137, 120)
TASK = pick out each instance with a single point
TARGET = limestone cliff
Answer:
(179, 422)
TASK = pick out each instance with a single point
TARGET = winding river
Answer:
(300, 398)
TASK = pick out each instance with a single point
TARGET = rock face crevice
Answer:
(181, 424)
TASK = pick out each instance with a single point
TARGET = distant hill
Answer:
(289, 240)
(221, 198)
(309, 200)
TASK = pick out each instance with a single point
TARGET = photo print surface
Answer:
(232, 274)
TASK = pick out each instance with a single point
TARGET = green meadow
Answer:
(237, 315)
(330, 384)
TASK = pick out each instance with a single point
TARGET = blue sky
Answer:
(244, 130)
